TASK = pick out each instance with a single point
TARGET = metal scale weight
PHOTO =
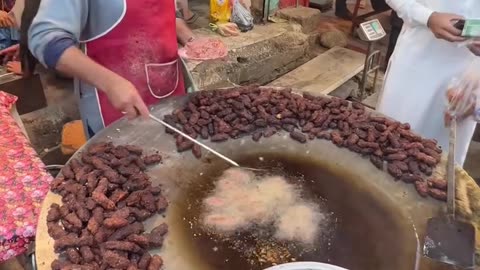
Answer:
(371, 32)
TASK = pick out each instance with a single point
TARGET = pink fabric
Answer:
(24, 182)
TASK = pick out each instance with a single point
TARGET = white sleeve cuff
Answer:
(421, 14)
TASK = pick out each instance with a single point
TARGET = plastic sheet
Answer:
(462, 95)
(242, 17)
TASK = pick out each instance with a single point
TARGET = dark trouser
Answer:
(396, 24)
(340, 6)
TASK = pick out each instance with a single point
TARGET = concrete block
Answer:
(308, 18)
(270, 67)
(371, 100)
(44, 127)
(345, 90)
(334, 38)
(260, 56)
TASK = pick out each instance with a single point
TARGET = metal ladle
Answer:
(228, 160)
(448, 239)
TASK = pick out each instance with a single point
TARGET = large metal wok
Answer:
(390, 202)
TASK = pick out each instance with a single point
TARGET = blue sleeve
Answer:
(54, 50)
(56, 27)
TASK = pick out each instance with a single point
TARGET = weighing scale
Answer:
(371, 31)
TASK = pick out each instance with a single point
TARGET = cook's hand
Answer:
(5, 20)
(125, 98)
(441, 25)
(475, 48)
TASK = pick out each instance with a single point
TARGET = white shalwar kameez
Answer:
(421, 68)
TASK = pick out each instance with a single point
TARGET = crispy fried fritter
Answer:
(161, 204)
(140, 214)
(102, 200)
(55, 230)
(73, 219)
(71, 240)
(115, 260)
(140, 240)
(155, 263)
(122, 245)
(124, 232)
(152, 159)
(118, 195)
(105, 194)
(115, 222)
(73, 255)
(87, 254)
(144, 261)
(54, 213)
(161, 229)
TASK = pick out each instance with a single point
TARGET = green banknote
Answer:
(471, 28)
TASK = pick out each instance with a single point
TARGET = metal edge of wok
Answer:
(114, 133)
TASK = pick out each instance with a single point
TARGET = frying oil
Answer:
(358, 233)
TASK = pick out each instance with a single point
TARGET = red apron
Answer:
(142, 48)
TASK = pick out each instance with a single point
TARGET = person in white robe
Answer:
(426, 58)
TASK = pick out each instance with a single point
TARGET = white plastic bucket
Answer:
(305, 266)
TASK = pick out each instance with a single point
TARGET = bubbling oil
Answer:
(360, 233)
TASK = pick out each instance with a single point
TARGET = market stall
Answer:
(379, 220)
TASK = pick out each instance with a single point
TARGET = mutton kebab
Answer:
(261, 113)
(106, 196)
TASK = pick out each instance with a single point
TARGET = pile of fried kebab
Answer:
(106, 196)
(262, 112)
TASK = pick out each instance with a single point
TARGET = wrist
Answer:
(110, 82)
(430, 17)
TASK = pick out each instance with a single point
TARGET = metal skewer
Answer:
(193, 140)
(451, 169)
